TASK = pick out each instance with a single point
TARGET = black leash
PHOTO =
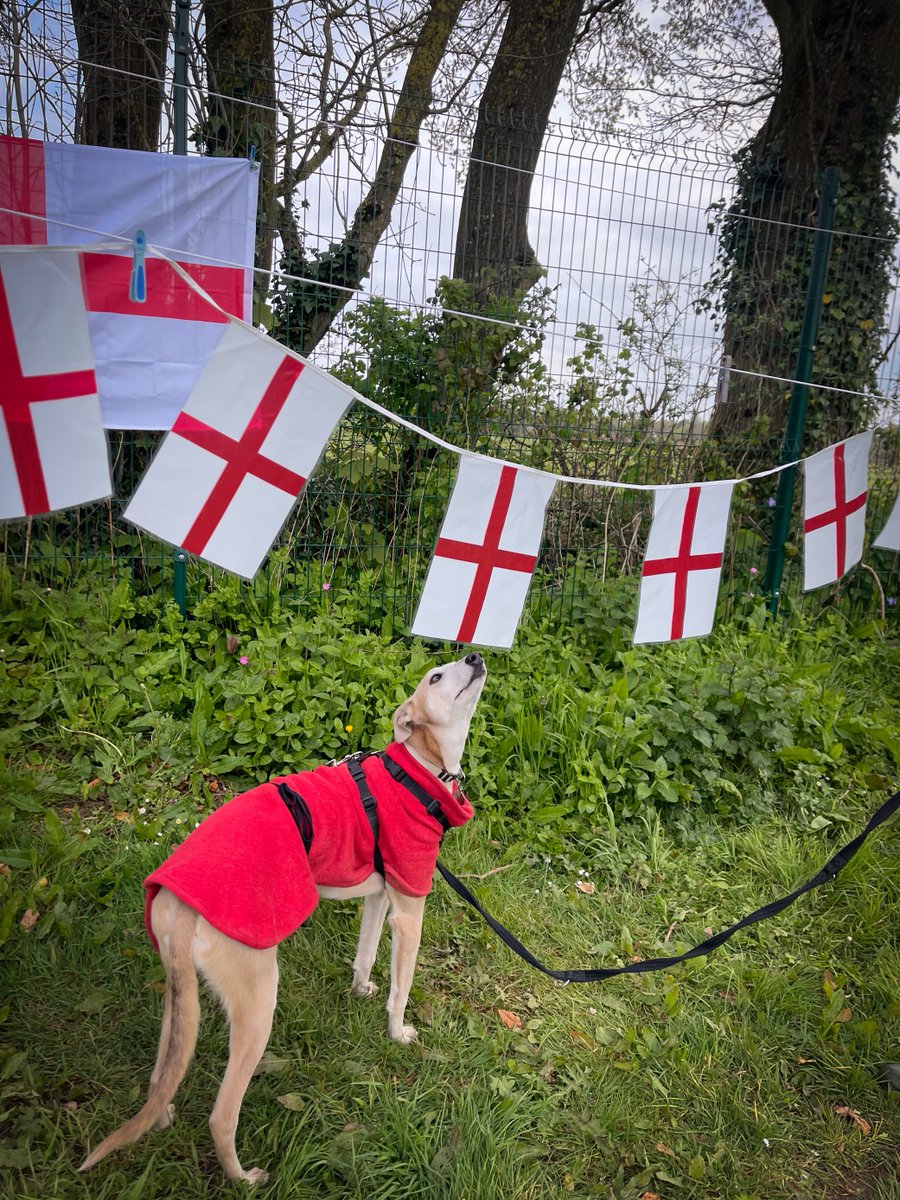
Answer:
(831, 869)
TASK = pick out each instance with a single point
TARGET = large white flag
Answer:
(228, 473)
(53, 451)
(834, 510)
(683, 564)
(200, 211)
(485, 556)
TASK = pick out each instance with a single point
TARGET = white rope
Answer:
(206, 259)
(451, 447)
(820, 387)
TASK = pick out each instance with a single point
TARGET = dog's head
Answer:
(437, 714)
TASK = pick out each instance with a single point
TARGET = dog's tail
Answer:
(181, 1022)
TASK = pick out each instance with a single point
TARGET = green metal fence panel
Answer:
(611, 371)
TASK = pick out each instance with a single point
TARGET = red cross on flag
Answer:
(889, 538)
(200, 211)
(834, 510)
(227, 475)
(53, 450)
(485, 556)
(683, 563)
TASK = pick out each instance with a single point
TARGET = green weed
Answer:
(633, 798)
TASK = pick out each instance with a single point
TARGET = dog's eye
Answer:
(435, 678)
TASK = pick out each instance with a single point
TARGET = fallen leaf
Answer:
(292, 1100)
(852, 1114)
(585, 885)
(271, 1064)
(29, 919)
(509, 1019)
(844, 1015)
(665, 1150)
(582, 1038)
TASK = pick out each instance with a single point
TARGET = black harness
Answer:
(299, 809)
(829, 871)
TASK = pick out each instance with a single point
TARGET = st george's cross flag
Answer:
(485, 556)
(683, 564)
(889, 538)
(228, 473)
(834, 510)
(53, 451)
(200, 211)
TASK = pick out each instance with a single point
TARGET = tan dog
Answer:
(431, 727)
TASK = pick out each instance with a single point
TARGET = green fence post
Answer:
(182, 49)
(179, 579)
(179, 138)
(793, 434)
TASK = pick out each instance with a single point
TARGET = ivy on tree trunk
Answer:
(836, 106)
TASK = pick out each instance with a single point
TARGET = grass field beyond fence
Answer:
(627, 801)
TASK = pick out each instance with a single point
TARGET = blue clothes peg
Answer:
(137, 285)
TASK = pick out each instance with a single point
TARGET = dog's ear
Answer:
(404, 721)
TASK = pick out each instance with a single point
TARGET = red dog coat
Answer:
(245, 868)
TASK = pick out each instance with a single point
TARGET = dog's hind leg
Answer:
(173, 926)
(370, 927)
(406, 925)
(246, 982)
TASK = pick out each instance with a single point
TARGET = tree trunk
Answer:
(307, 311)
(836, 106)
(239, 50)
(122, 45)
(493, 253)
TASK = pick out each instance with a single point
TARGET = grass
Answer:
(718, 1079)
(680, 787)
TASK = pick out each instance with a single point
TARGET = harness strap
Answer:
(354, 766)
(431, 805)
(299, 810)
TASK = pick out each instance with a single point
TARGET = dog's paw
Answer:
(362, 990)
(255, 1177)
(166, 1119)
(407, 1034)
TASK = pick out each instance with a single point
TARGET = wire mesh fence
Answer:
(607, 366)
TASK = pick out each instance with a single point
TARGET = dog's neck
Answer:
(436, 769)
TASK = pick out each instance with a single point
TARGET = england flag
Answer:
(485, 556)
(834, 510)
(200, 211)
(683, 564)
(53, 451)
(238, 455)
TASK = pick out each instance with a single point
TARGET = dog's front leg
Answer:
(406, 925)
(370, 927)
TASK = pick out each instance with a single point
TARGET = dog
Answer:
(244, 879)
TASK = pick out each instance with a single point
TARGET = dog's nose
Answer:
(474, 659)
